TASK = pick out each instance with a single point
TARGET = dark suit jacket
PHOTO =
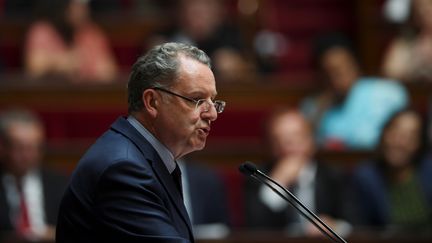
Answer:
(53, 186)
(122, 192)
(330, 198)
(207, 195)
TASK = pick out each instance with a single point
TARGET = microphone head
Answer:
(248, 168)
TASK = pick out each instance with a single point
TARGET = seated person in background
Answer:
(319, 187)
(29, 195)
(203, 23)
(409, 56)
(351, 110)
(394, 190)
(206, 202)
(65, 42)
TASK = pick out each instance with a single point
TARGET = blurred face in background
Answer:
(341, 69)
(422, 10)
(402, 139)
(23, 150)
(290, 135)
(77, 12)
(200, 18)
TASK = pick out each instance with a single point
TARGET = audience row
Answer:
(68, 42)
(390, 192)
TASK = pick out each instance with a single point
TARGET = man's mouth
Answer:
(205, 130)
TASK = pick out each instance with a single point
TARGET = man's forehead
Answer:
(195, 76)
(291, 121)
(190, 64)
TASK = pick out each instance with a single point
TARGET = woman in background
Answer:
(64, 41)
(352, 108)
(394, 189)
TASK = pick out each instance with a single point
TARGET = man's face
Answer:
(23, 151)
(179, 125)
(291, 136)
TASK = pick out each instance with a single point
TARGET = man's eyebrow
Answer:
(200, 93)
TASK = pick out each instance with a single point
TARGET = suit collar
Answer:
(164, 153)
(122, 126)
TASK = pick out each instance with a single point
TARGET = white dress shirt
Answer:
(32, 190)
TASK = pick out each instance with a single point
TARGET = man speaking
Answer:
(127, 186)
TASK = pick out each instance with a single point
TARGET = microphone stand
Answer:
(250, 169)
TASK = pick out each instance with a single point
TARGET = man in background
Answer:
(29, 195)
(295, 167)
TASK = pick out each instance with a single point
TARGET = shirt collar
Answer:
(166, 155)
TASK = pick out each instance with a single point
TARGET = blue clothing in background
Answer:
(357, 122)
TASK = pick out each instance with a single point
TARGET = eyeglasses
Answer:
(204, 104)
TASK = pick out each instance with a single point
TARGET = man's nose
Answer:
(211, 114)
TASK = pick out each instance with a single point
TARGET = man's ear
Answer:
(151, 102)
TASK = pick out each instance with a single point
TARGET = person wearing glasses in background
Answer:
(127, 186)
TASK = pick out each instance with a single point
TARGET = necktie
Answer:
(176, 174)
(23, 222)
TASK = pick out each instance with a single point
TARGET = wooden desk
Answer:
(280, 237)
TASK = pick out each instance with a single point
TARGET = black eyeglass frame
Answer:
(219, 105)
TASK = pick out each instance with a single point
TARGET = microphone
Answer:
(250, 169)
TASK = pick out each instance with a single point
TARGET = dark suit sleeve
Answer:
(131, 208)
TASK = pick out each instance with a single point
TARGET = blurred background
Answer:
(351, 81)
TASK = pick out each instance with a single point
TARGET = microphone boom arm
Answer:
(295, 205)
(250, 169)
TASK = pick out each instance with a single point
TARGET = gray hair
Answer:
(9, 117)
(159, 68)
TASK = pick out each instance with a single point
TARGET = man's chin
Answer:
(195, 147)
(200, 145)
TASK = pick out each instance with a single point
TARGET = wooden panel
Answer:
(77, 114)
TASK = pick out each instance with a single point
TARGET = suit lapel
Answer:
(123, 126)
(172, 190)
